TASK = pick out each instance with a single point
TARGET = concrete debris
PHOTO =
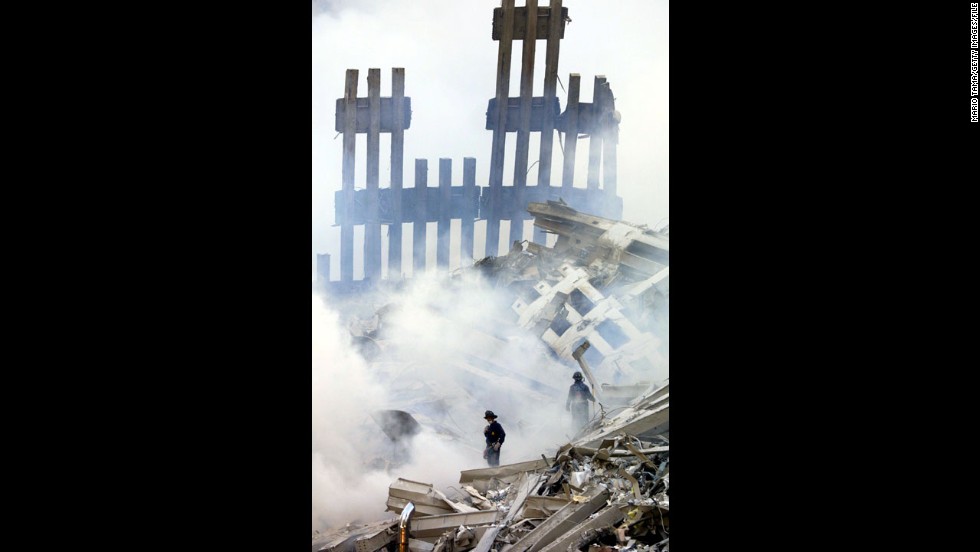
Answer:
(431, 527)
(478, 499)
(620, 500)
(598, 300)
(425, 498)
(356, 539)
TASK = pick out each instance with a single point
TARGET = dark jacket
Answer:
(578, 393)
(494, 433)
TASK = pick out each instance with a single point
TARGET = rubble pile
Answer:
(604, 282)
(598, 299)
(611, 497)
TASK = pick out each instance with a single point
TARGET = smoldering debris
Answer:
(614, 496)
(597, 301)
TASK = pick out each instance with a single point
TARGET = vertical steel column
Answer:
(350, 135)
(517, 209)
(421, 214)
(495, 207)
(595, 136)
(445, 212)
(571, 136)
(397, 162)
(372, 226)
(468, 214)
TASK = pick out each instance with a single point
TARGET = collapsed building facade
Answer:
(383, 214)
(597, 300)
(603, 287)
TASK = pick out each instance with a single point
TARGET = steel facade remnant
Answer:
(384, 210)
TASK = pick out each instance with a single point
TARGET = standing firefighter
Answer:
(494, 434)
(578, 397)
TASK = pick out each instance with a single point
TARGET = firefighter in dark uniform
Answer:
(578, 401)
(494, 434)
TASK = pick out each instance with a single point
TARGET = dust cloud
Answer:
(446, 351)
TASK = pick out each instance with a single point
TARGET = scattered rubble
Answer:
(605, 283)
(598, 300)
(613, 496)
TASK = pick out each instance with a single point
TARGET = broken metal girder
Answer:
(636, 247)
(607, 517)
(636, 423)
(524, 485)
(434, 526)
(588, 451)
(563, 521)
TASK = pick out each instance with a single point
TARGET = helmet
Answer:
(489, 414)
(577, 375)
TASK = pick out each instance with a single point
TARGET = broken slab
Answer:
(480, 478)
(416, 545)
(427, 500)
(376, 541)
(345, 539)
(425, 527)
(396, 505)
(481, 502)
(543, 506)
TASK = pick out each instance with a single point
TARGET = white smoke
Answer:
(449, 354)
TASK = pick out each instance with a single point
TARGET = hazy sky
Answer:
(450, 66)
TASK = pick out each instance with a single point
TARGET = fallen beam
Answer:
(635, 421)
(433, 526)
(422, 495)
(396, 505)
(480, 477)
(542, 506)
(563, 521)
(609, 516)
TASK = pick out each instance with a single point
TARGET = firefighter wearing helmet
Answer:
(494, 434)
(578, 399)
